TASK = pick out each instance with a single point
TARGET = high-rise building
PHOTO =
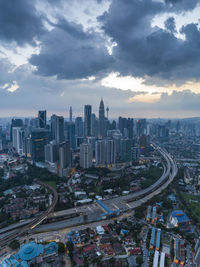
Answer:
(65, 158)
(70, 114)
(79, 127)
(51, 152)
(105, 152)
(18, 139)
(57, 128)
(70, 133)
(42, 118)
(87, 120)
(126, 150)
(37, 141)
(141, 127)
(102, 130)
(95, 125)
(126, 127)
(85, 155)
(15, 123)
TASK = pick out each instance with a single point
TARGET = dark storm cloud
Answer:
(142, 50)
(170, 25)
(180, 5)
(68, 52)
(19, 21)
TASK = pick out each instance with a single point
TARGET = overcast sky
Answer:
(141, 56)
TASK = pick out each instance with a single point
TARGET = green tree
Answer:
(61, 247)
(14, 244)
(139, 260)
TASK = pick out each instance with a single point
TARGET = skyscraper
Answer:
(18, 139)
(70, 114)
(15, 123)
(65, 158)
(104, 152)
(85, 155)
(102, 130)
(38, 139)
(57, 128)
(126, 127)
(42, 118)
(51, 152)
(79, 127)
(87, 120)
(70, 133)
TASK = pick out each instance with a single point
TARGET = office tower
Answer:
(42, 118)
(65, 158)
(15, 123)
(110, 152)
(87, 120)
(102, 130)
(38, 139)
(141, 127)
(100, 152)
(104, 152)
(57, 128)
(126, 150)
(18, 139)
(85, 155)
(70, 114)
(91, 140)
(70, 133)
(95, 125)
(79, 127)
(126, 127)
(51, 152)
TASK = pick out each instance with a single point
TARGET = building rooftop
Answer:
(180, 215)
(29, 251)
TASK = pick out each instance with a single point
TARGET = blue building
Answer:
(158, 239)
(178, 218)
(31, 253)
(152, 241)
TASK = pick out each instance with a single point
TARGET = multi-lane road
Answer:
(93, 211)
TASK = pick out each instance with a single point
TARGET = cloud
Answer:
(170, 25)
(181, 5)
(36, 92)
(19, 22)
(144, 51)
(69, 52)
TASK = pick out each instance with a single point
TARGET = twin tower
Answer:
(102, 120)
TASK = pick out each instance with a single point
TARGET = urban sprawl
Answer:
(95, 191)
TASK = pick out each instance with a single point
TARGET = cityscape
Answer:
(100, 133)
(96, 191)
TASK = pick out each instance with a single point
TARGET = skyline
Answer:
(55, 54)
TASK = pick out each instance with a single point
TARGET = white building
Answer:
(104, 152)
(100, 230)
(18, 137)
(86, 155)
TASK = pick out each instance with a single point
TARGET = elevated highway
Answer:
(124, 203)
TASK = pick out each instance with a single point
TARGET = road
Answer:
(93, 211)
(6, 239)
